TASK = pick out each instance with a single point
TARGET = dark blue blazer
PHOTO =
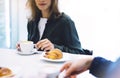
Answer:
(100, 66)
(60, 31)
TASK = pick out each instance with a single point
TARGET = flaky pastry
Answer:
(4, 71)
(54, 54)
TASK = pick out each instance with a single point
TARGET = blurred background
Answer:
(97, 23)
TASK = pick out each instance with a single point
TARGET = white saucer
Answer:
(34, 51)
(29, 53)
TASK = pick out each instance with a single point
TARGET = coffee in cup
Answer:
(26, 47)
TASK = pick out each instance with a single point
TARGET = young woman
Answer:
(49, 29)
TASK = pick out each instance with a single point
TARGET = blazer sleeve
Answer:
(70, 37)
(99, 66)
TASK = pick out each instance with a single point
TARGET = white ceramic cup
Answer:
(26, 47)
(50, 71)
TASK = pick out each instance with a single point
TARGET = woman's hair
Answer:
(36, 12)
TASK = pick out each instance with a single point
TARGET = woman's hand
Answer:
(18, 46)
(44, 44)
(73, 68)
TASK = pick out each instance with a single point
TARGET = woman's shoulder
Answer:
(33, 21)
(66, 18)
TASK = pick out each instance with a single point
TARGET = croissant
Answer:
(54, 54)
(5, 72)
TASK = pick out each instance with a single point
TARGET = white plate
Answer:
(15, 71)
(50, 60)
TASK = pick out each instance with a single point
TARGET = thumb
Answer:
(69, 71)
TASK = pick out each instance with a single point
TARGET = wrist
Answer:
(90, 59)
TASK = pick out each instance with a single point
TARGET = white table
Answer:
(10, 58)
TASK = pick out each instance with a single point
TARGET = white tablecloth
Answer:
(33, 63)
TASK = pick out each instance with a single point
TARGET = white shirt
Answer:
(41, 26)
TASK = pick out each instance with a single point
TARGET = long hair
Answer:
(35, 12)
